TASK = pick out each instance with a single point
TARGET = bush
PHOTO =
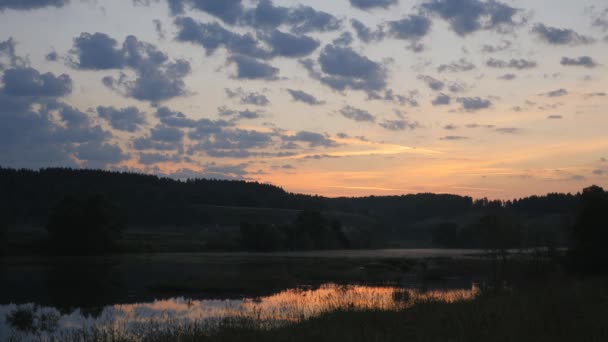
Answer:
(83, 226)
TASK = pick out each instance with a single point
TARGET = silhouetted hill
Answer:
(149, 199)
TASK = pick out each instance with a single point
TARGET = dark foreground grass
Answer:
(574, 310)
(559, 309)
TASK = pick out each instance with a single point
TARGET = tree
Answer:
(590, 232)
(87, 225)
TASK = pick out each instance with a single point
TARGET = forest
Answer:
(262, 217)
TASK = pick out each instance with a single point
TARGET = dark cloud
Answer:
(252, 69)
(519, 64)
(584, 61)
(313, 139)
(127, 119)
(96, 51)
(431, 82)
(457, 66)
(8, 50)
(300, 96)
(554, 117)
(389, 95)
(598, 172)
(52, 56)
(263, 16)
(100, 154)
(558, 36)
(30, 82)
(450, 127)
(174, 119)
(472, 104)
(366, 34)
(343, 68)
(238, 114)
(556, 93)
(371, 4)
(442, 100)
(31, 4)
(244, 97)
(36, 130)
(468, 16)
(345, 39)
(289, 45)
(398, 125)
(412, 27)
(357, 114)
(157, 78)
(212, 36)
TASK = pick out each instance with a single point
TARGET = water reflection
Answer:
(287, 306)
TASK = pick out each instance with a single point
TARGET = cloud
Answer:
(8, 49)
(468, 16)
(212, 36)
(598, 172)
(372, 4)
(239, 114)
(519, 64)
(504, 45)
(398, 125)
(244, 97)
(157, 78)
(252, 69)
(175, 119)
(554, 117)
(31, 4)
(30, 82)
(155, 158)
(457, 66)
(556, 93)
(558, 36)
(442, 100)
(263, 16)
(508, 130)
(584, 61)
(289, 45)
(431, 82)
(313, 139)
(365, 34)
(357, 114)
(450, 127)
(507, 77)
(126, 119)
(412, 27)
(342, 68)
(300, 96)
(454, 137)
(473, 104)
(100, 154)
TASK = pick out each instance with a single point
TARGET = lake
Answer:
(132, 291)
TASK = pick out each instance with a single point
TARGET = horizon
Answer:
(184, 180)
(498, 99)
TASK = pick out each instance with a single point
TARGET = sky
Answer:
(497, 98)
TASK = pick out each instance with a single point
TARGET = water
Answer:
(292, 305)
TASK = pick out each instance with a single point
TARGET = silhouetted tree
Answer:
(590, 233)
(88, 225)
